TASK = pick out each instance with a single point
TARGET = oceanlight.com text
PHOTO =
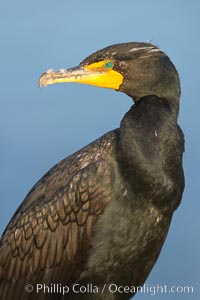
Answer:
(56, 288)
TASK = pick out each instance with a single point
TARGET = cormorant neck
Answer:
(145, 127)
(172, 103)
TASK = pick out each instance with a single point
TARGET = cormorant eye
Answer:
(108, 65)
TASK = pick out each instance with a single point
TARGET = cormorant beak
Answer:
(94, 74)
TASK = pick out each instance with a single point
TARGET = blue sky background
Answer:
(40, 127)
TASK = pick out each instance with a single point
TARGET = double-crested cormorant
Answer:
(101, 215)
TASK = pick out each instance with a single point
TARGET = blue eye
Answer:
(108, 65)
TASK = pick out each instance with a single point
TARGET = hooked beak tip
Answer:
(46, 78)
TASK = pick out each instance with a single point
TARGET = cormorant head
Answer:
(137, 69)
